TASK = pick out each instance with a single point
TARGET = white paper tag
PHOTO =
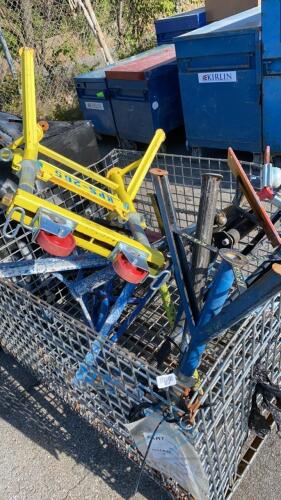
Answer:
(218, 77)
(164, 381)
(161, 447)
(94, 105)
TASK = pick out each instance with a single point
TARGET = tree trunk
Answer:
(99, 32)
(120, 17)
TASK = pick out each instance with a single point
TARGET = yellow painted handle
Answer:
(145, 163)
(30, 132)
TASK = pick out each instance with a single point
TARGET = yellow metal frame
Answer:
(109, 192)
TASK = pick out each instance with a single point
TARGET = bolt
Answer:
(225, 242)
(220, 218)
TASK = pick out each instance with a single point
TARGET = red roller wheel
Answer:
(52, 244)
(128, 271)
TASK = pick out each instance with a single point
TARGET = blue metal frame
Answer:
(51, 265)
(271, 102)
(108, 318)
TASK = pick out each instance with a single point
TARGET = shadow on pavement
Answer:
(52, 425)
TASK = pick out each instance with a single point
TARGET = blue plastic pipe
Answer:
(260, 291)
(215, 301)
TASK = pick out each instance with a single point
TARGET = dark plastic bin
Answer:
(170, 27)
(94, 100)
(145, 95)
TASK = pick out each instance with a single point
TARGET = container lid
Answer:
(244, 20)
(135, 70)
(184, 21)
(98, 75)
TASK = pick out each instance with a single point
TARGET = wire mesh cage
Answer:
(43, 328)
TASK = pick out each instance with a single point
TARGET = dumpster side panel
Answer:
(271, 35)
(271, 17)
(165, 101)
(140, 107)
(95, 103)
(99, 111)
(221, 90)
(131, 109)
(272, 112)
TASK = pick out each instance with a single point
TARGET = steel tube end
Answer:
(233, 257)
(276, 268)
(219, 177)
(159, 172)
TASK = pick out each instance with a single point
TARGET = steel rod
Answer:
(250, 247)
(176, 248)
(50, 265)
(204, 231)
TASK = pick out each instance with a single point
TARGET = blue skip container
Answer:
(145, 95)
(94, 95)
(220, 72)
(170, 27)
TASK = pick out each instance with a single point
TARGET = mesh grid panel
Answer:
(41, 326)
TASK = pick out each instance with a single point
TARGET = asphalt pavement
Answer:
(48, 452)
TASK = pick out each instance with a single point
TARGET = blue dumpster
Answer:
(94, 95)
(145, 95)
(170, 27)
(220, 81)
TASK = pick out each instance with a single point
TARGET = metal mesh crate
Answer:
(42, 327)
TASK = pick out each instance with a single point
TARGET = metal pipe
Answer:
(95, 353)
(7, 54)
(177, 251)
(240, 231)
(111, 320)
(94, 280)
(48, 265)
(257, 294)
(204, 231)
(115, 175)
(137, 231)
(250, 247)
(27, 175)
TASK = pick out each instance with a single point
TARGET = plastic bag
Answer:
(171, 453)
